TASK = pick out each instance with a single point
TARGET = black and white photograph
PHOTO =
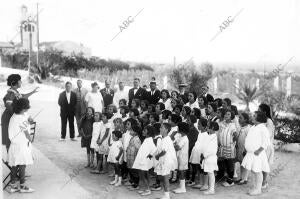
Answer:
(166, 99)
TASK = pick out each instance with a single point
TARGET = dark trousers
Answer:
(117, 169)
(228, 166)
(64, 119)
(134, 176)
(124, 170)
(14, 174)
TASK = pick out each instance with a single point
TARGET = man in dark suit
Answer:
(153, 96)
(107, 94)
(67, 101)
(136, 92)
(182, 93)
(209, 97)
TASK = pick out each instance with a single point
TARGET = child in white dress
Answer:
(197, 151)
(96, 131)
(143, 161)
(242, 132)
(20, 151)
(256, 142)
(182, 147)
(210, 150)
(167, 160)
(115, 157)
(270, 149)
(102, 142)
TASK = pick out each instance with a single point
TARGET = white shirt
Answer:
(95, 101)
(68, 94)
(135, 90)
(120, 94)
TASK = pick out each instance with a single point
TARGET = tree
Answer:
(194, 76)
(247, 94)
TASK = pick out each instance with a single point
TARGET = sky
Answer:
(264, 30)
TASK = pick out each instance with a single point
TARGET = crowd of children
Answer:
(197, 143)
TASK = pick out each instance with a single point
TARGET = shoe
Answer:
(134, 188)
(103, 172)
(140, 191)
(179, 190)
(242, 182)
(73, 139)
(209, 192)
(197, 186)
(191, 183)
(204, 188)
(13, 188)
(146, 193)
(226, 184)
(264, 186)
(128, 183)
(95, 171)
(62, 139)
(254, 192)
(25, 189)
(157, 187)
(118, 182)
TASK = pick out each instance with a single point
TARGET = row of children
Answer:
(179, 145)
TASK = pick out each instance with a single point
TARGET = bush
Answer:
(287, 130)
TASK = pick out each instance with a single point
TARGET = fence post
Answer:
(257, 83)
(276, 83)
(215, 83)
(237, 85)
(289, 86)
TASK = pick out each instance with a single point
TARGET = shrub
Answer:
(194, 76)
(287, 130)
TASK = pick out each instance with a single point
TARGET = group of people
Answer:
(174, 136)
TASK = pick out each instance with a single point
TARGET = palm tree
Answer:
(247, 94)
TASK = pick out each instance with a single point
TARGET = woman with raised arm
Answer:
(14, 82)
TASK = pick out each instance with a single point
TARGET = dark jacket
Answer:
(153, 99)
(65, 107)
(107, 96)
(140, 94)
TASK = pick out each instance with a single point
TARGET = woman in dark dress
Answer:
(14, 81)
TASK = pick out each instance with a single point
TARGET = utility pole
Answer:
(37, 35)
(30, 44)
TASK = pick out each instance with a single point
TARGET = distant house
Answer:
(67, 47)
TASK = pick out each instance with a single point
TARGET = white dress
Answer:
(193, 105)
(210, 150)
(95, 135)
(20, 151)
(167, 104)
(270, 149)
(114, 152)
(103, 148)
(167, 162)
(141, 161)
(125, 141)
(198, 148)
(183, 153)
(258, 136)
(95, 100)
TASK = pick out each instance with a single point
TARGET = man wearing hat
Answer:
(182, 93)
(154, 94)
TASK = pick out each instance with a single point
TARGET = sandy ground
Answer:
(68, 156)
